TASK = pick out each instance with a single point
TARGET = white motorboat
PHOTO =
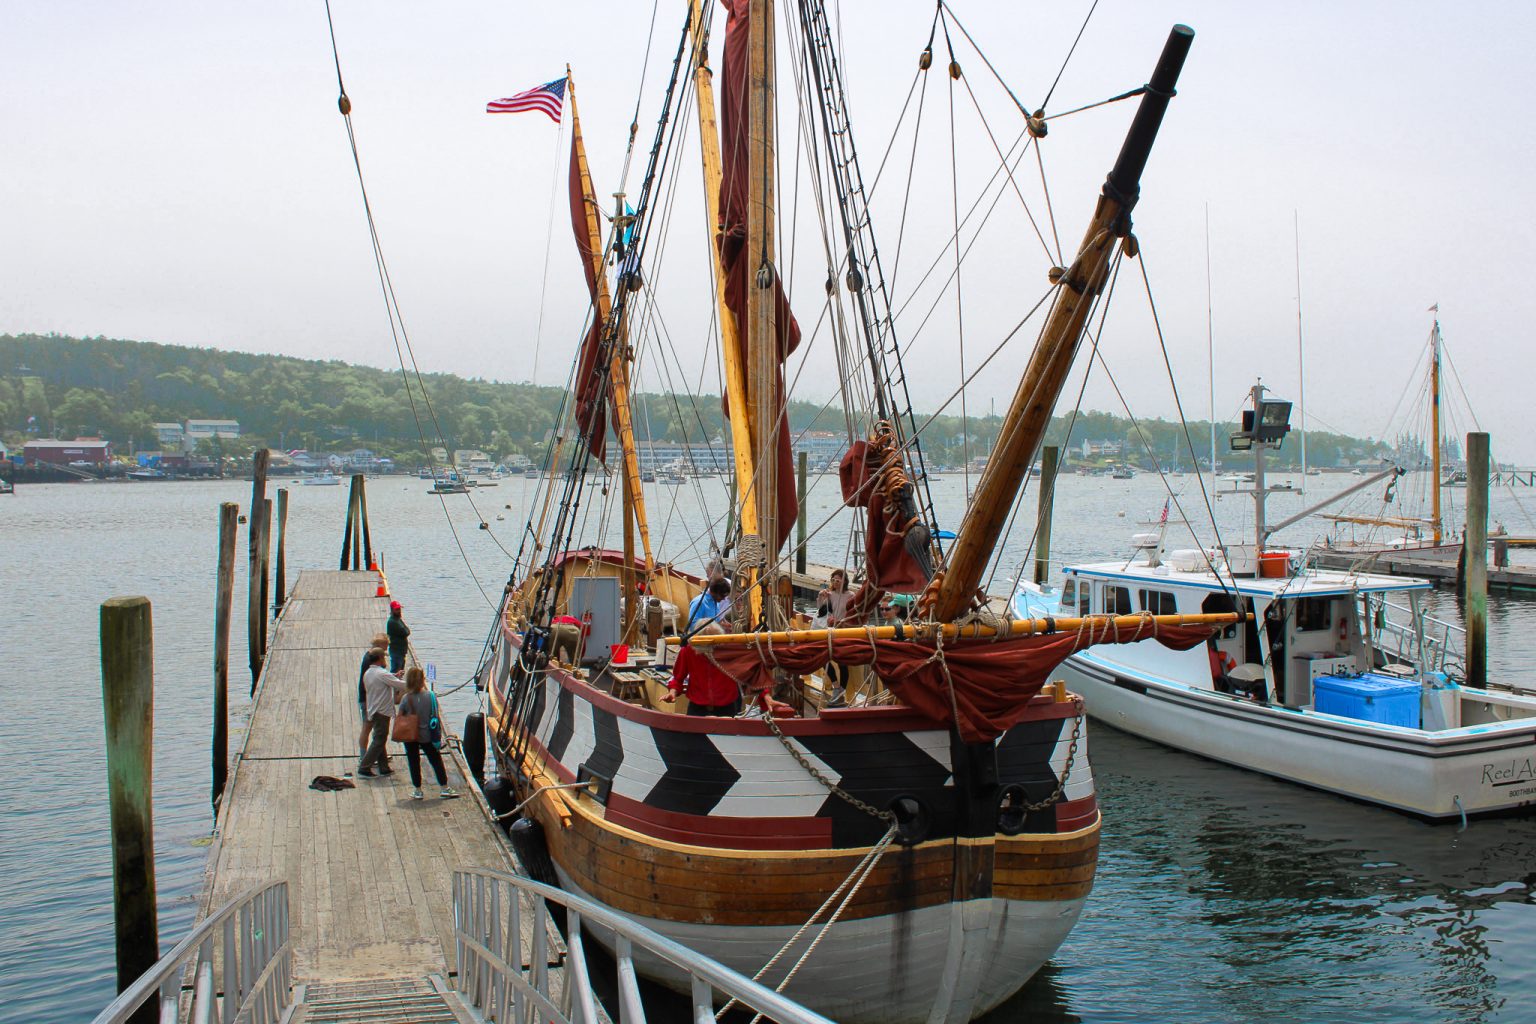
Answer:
(1338, 681)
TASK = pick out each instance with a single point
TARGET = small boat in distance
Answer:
(326, 479)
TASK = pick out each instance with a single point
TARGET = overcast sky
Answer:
(177, 172)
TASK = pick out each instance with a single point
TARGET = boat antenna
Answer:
(1301, 366)
(1210, 344)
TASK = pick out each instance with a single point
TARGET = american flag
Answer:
(1164, 518)
(549, 97)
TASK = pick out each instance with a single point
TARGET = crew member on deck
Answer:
(710, 691)
(710, 606)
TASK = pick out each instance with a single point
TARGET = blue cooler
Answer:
(1385, 700)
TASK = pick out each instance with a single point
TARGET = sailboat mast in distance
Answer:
(1434, 418)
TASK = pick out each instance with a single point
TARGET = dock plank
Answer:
(370, 870)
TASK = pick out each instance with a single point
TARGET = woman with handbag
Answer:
(419, 726)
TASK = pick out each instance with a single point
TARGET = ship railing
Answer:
(1412, 636)
(493, 910)
(248, 940)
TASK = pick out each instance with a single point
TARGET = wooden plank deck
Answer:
(370, 871)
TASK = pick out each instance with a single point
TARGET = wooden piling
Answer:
(1475, 597)
(1050, 457)
(221, 609)
(280, 585)
(800, 518)
(255, 609)
(346, 532)
(127, 691)
(266, 571)
(362, 518)
(357, 523)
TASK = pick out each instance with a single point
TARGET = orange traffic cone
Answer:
(383, 590)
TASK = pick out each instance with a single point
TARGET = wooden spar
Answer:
(618, 359)
(1434, 430)
(1096, 625)
(762, 309)
(1023, 427)
(743, 452)
(800, 517)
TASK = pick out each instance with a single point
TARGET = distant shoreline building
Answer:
(61, 453)
(204, 430)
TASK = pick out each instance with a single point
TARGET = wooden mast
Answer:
(742, 450)
(762, 309)
(1434, 415)
(1023, 427)
(618, 376)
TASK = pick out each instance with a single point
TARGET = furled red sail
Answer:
(740, 265)
(591, 371)
(992, 680)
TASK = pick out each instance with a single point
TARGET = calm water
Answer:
(1221, 896)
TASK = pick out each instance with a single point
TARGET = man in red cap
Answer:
(398, 631)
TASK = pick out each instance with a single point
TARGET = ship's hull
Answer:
(711, 832)
(1487, 768)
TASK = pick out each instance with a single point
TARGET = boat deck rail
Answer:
(489, 907)
(1409, 634)
(249, 939)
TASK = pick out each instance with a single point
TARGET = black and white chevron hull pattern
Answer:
(755, 777)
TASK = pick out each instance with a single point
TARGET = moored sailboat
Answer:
(919, 854)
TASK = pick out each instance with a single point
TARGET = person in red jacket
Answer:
(710, 691)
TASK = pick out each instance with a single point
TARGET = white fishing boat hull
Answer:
(946, 963)
(1476, 769)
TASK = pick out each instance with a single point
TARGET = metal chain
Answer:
(888, 817)
(1066, 771)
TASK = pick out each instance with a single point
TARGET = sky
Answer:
(178, 172)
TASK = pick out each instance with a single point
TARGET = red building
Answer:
(62, 453)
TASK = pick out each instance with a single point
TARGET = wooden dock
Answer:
(370, 870)
(1511, 579)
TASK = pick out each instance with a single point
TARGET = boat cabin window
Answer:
(1117, 601)
(1159, 602)
(1312, 614)
(1075, 597)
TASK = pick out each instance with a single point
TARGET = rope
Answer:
(855, 879)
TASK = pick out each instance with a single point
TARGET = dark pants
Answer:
(413, 752)
(396, 660)
(378, 750)
(730, 710)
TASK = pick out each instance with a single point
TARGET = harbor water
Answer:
(1221, 895)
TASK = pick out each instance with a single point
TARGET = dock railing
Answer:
(249, 938)
(488, 910)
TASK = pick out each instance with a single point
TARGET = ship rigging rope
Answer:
(397, 327)
(852, 884)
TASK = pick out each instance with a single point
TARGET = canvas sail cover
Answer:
(992, 680)
(739, 264)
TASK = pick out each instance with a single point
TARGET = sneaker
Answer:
(449, 793)
(416, 795)
(366, 773)
(386, 770)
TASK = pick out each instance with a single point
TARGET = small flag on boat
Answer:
(1164, 517)
(1433, 309)
(549, 97)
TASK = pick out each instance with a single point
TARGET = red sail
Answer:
(591, 371)
(739, 264)
(992, 680)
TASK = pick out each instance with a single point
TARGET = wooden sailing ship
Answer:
(913, 858)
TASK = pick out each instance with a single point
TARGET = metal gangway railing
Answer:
(248, 938)
(490, 909)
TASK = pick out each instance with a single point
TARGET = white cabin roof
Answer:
(1310, 583)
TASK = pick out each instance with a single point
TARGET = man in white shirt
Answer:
(381, 689)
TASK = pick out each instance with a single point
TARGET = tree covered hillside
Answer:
(115, 389)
